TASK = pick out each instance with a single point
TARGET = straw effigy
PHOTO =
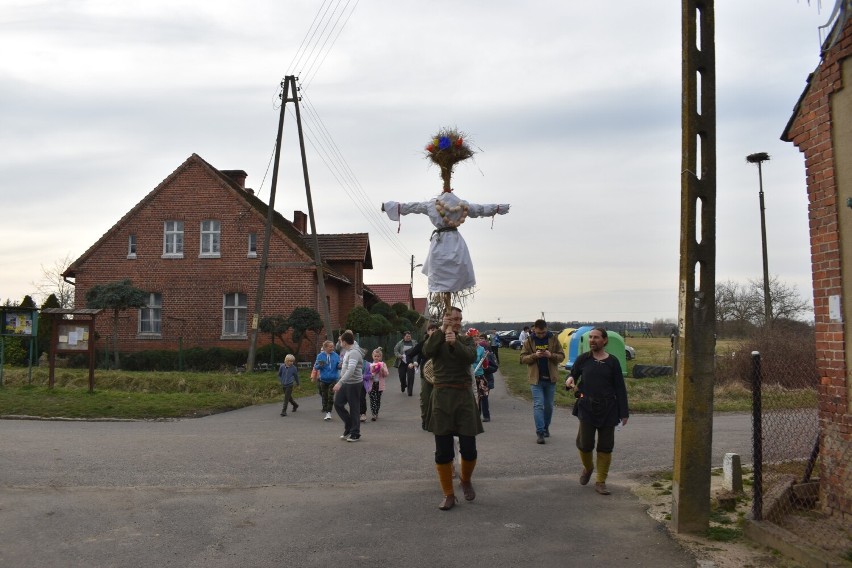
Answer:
(447, 148)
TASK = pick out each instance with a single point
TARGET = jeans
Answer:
(542, 395)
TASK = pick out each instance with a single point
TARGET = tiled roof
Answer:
(284, 226)
(342, 246)
(392, 293)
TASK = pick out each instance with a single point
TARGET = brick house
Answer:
(821, 127)
(194, 243)
(394, 294)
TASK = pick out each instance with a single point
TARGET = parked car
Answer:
(629, 353)
(506, 337)
(516, 344)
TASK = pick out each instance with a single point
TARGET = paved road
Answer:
(250, 488)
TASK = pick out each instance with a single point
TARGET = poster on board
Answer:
(18, 322)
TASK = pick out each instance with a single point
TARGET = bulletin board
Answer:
(73, 337)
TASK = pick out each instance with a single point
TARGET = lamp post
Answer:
(758, 159)
(413, 266)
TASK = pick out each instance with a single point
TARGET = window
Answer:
(234, 314)
(173, 239)
(149, 316)
(131, 246)
(252, 245)
(210, 233)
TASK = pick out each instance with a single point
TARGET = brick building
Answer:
(821, 127)
(194, 244)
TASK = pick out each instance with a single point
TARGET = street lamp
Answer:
(758, 159)
(413, 266)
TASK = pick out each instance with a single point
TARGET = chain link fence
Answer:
(786, 437)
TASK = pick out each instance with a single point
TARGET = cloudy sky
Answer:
(575, 107)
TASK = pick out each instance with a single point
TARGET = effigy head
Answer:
(447, 148)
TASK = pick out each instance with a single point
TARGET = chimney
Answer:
(300, 221)
(237, 176)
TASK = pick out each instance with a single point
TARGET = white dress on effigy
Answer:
(448, 264)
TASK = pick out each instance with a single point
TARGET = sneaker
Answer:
(486, 420)
(363, 418)
(327, 416)
(283, 413)
(539, 438)
(375, 417)
(345, 436)
(353, 438)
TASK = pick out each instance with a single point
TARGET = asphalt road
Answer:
(251, 488)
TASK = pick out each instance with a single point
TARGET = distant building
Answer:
(195, 243)
(393, 294)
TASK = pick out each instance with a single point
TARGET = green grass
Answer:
(122, 394)
(658, 394)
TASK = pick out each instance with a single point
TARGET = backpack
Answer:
(490, 365)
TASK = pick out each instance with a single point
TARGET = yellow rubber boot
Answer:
(466, 470)
(603, 466)
(445, 476)
(464, 479)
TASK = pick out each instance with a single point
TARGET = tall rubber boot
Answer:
(464, 479)
(603, 466)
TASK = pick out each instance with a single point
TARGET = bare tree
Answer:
(53, 283)
(787, 301)
(740, 308)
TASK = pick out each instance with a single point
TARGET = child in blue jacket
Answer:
(288, 374)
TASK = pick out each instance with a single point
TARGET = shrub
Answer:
(787, 358)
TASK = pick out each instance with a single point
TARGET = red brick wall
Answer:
(811, 132)
(192, 288)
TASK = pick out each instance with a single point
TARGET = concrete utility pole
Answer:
(697, 311)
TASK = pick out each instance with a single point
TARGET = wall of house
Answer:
(192, 288)
(821, 131)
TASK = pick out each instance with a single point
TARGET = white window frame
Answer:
(211, 239)
(131, 246)
(152, 314)
(173, 239)
(234, 314)
(252, 245)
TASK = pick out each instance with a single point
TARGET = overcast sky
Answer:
(575, 107)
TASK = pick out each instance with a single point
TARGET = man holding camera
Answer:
(542, 353)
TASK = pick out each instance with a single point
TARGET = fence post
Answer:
(757, 437)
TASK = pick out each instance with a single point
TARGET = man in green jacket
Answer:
(542, 353)
(454, 411)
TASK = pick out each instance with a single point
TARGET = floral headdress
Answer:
(447, 148)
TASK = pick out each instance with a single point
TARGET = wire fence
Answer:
(786, 438)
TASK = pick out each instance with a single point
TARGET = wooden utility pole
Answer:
(697, 312)
(288, 85)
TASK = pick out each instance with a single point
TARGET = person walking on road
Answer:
(542, 353)
(453, 411)
(347, 391)
(415, 355)
(495, 344)
(328, 365)
(378, 372)
(403, 365)
(601, 405)
(288, 375)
